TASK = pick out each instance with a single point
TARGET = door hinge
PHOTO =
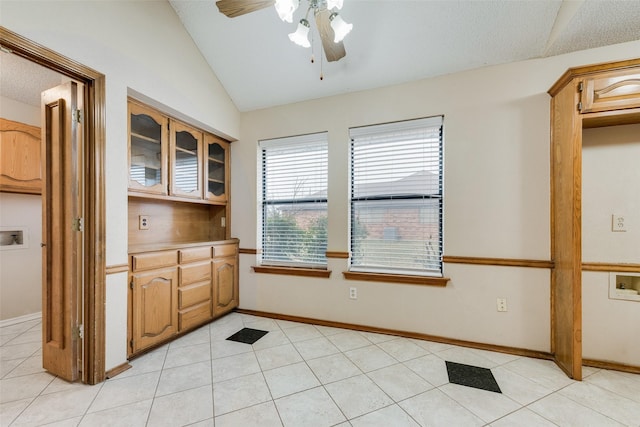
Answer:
(131, 284)
(77, 116)
(580, 86)
(78, 224)
(131, 344)
(78, 332)
(580, 106)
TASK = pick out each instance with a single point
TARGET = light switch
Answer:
(618, 223)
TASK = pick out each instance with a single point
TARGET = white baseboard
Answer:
(20, 319)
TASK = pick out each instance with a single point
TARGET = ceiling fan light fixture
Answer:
(285, 9)
(340, 28)
(337, 4)
(301, 35)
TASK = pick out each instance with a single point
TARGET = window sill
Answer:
(396, 278)
(292, 271)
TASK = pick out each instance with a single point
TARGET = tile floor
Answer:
(305, 375)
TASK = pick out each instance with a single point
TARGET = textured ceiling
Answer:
(23, 80)
(395, 41)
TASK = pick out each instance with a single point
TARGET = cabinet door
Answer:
(225, 285)
(20, 164)
(186, 161)
(216, 169)
(154, 307)
(147, 150)
(615, 90)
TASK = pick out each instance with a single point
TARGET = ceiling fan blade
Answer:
(233, 8)
(333, 51)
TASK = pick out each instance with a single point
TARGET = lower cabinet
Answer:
(225, 279)
(155, 315)
(174, 291)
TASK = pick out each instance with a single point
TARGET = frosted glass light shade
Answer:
(334, 4)
(301, 35)
(285, 9)
(340, 28)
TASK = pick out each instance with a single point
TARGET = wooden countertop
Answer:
(134, 249)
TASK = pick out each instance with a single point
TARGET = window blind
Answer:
(397, 197)
(294, 200)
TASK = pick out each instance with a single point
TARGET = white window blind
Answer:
(294, 200)
(397, 197)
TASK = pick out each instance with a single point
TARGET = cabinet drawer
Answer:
(194, 316)
(148, 261)
(195, 273)
(194, 254)
(194, 294)
(224, 250)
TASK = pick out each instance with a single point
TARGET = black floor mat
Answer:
(247, 335)
(472, 376)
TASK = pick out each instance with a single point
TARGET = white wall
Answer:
(141, 47)
(496, 202)
(610, 185)
(21, 269)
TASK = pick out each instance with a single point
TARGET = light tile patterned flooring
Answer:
(306, 375)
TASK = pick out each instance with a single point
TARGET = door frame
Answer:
(94, 271)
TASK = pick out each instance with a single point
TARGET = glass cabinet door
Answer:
(147, 150)
(186, 161)
(216, 168)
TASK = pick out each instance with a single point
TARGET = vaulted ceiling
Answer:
(395, 41)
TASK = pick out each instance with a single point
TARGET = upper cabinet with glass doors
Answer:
(186, 161)
(147, 150)
(171, 160)
(216, 170)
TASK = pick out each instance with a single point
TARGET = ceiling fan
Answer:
(331, 27)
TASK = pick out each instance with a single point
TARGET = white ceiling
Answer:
(395, 41)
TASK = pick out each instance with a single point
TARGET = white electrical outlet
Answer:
(501, 304)
(353, 293)
(618, 223)
(143, 222)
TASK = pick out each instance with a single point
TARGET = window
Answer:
(396, 197)
(294, 201)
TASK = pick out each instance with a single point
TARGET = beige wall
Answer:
(496, 122)
(610, 185)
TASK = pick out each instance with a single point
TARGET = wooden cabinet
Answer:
(612, 90)
(175, 291)
(169, 159)
(20, 158)
(225, 279)
(153, 297)
(186, 161)
(216, 169)
(148, 150)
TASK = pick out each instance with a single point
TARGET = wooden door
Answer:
(62, 230)
(566, 222)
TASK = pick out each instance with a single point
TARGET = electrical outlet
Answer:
(143, 222)
(618, 223)
(353, 293)
(501, 304)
